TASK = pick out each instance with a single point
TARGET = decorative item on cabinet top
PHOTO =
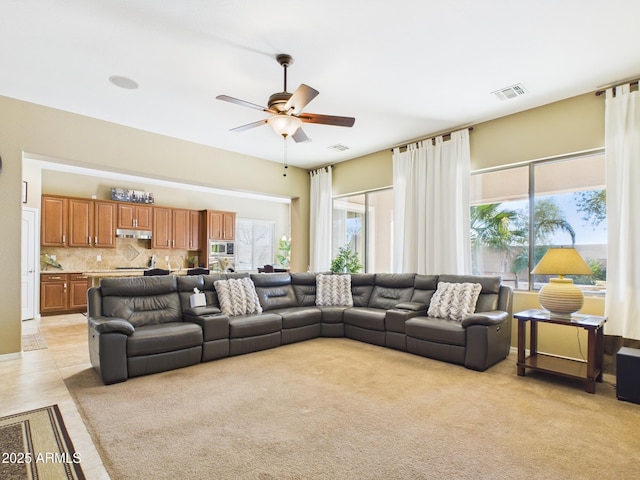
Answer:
(133, 196)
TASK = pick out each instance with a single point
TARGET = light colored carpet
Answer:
(342, 409)
(35, 445)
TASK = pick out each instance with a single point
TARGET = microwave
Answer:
(221, 248)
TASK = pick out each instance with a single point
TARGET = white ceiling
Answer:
(405, 69)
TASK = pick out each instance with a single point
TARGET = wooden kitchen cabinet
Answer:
(194, 230)
(104, 226)
(180, 228)
(162, 227)
(221, 225)
(53, 293)
(133, 216)
(77, 222)
(63, 293)
(77, 292)
(54, 213)
(172, 228)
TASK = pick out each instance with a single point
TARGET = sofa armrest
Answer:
(111, 325)
(214, 327)
(495, 317)
(201, 311)
(413, 306)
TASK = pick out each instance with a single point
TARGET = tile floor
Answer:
(35, 379)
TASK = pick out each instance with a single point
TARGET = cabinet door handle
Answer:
(64, 239)
(89, 240)
(65, 285)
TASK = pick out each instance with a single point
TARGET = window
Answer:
(364, 222)
(254, 243)
(517, 213)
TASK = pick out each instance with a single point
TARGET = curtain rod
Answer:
(430, 137)
(632, 81)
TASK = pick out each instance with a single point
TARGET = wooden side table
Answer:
(589, 371)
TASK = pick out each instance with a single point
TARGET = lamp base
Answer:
(561, 297)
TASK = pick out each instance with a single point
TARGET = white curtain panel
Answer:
(320, 220)
(431, 210)
(622, 154)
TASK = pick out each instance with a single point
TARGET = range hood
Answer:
(142, 234)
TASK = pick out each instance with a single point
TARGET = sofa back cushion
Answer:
(424, 287)
(391, 289)
(141, 300)
(186, 284)
(304, 288)
(488, 298)
(361, 288)
(274, 290)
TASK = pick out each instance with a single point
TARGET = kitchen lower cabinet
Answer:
(63, 293)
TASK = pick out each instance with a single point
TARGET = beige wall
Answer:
(83, 141)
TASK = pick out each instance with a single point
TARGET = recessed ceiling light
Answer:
(123, 82)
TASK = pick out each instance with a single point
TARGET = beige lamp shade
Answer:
(560, 296)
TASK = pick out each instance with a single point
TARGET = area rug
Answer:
(36, 445)
(341, 409)
(33, 341)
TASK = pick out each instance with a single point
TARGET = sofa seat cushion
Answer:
(333, 314)
(162, 338)
(254, 324)
(438, 330)
(298, 316)
(365, 317)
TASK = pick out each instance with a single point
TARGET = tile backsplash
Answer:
(129, 252)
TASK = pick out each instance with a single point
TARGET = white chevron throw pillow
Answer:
(333, 290)
(454, 300)
(237, 296)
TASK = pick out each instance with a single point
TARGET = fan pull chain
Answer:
(286, 164)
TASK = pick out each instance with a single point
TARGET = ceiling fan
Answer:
(286, 109)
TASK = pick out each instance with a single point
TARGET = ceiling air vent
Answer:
(338, 148)
(508, 93)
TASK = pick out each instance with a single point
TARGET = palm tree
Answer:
(549, 218)
(497, 228)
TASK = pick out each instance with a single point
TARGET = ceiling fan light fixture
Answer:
(284, 125)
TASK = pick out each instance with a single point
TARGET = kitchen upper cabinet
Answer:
(221, 225)
(194, 230)
(136, 217)
(172, 228)
(162, 228)
(180, 229)
(80, 222)
(54, 212)
(92, 223)
(104, 225)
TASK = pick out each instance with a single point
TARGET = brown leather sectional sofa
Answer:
(144, 325)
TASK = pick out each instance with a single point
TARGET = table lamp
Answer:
(560, 296)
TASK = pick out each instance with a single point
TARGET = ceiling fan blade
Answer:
(248, 126)
(327, 119)
(227, 98)
(300, 98)
(300, 136)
